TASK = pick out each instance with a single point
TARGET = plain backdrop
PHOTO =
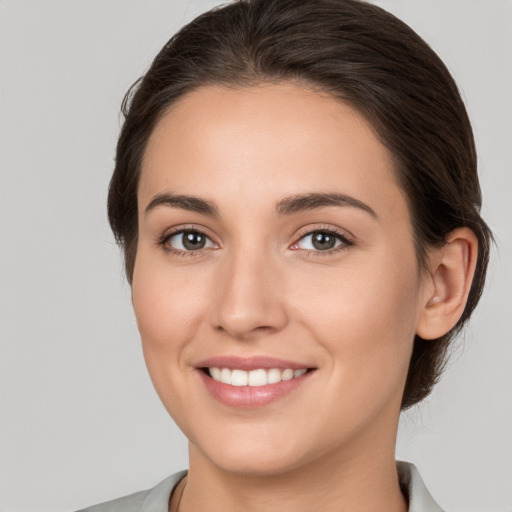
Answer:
(80, 422)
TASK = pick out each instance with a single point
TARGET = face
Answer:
(276, 286)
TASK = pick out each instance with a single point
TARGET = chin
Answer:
(248, 465)
(258, 458)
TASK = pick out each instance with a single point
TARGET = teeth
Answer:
(225, 376)
(216, 373)
(257, 378)
(287, 374)
(260, 377)
(239, 378)
(274, 376)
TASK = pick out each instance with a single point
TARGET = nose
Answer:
(250, 297)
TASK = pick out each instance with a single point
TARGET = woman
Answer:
(296, 196)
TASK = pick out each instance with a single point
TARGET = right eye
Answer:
(188, 241)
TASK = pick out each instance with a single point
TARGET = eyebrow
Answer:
(304, 202)
(183, 202)
(287, 206)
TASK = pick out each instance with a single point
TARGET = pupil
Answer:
(323, 241)
(193, 240)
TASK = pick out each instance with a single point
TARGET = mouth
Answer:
(248, 383)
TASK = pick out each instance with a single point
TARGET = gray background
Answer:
(80, 421)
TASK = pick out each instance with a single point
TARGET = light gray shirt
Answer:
(157, 498)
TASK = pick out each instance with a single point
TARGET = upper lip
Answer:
(250, 363)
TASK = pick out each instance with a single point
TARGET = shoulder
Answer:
(130, 503)
(420, 499)
(155, 499)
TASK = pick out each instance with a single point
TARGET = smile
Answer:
(256, 378)
(252, 382)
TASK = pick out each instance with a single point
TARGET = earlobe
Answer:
(452, 268)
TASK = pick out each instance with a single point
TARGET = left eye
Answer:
(189, 241)
(321, 241)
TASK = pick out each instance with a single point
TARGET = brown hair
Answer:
(357, 53)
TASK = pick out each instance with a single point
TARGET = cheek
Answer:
(167, 304)
(364, 316)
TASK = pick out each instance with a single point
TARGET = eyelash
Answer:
(164, 239)
(346, 242)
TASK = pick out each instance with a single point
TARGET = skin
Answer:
(259, 287)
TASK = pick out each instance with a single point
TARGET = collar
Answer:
(420, 500)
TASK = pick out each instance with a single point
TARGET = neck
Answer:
(335, 482)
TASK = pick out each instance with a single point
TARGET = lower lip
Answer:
(249, 397)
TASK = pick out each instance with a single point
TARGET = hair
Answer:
(359, 54)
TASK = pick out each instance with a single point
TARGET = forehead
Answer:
(267, 140)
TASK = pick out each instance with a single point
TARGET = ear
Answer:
(451, 271)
